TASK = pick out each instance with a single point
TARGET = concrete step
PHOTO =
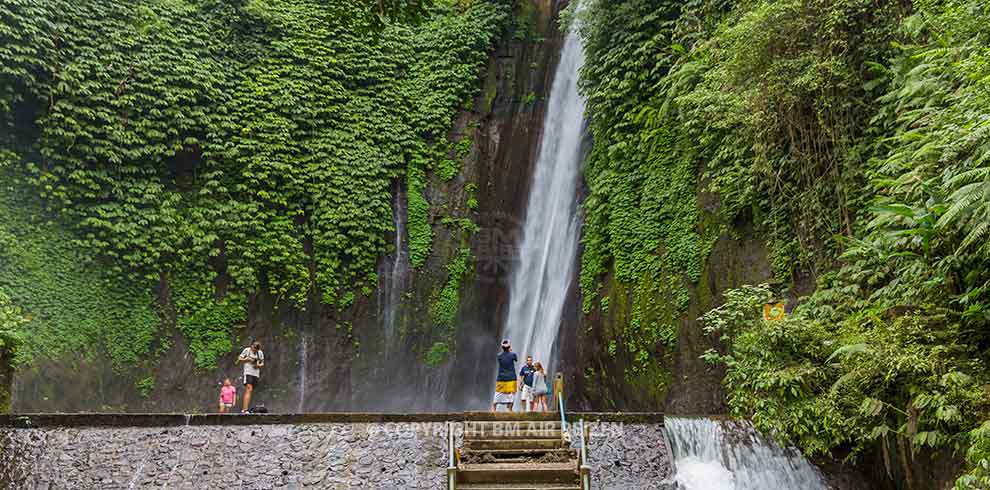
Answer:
(512, 430)
(525, 473)
(549, 434)
(518, 456)
(513, 444)
(510, 425)
(544, 424)
(514, 416)
(520, 451)
(519, 459)
(518, 486)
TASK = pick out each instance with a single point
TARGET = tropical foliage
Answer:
(641, 213)
(12, 319)
(250, 144)
(854, 137)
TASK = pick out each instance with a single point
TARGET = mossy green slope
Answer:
(73, 304)
(251, 144)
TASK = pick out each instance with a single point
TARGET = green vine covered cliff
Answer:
(853, 138)
(212, 150)
(164, 162)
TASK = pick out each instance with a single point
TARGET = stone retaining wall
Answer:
(323, 451)
(627, 456)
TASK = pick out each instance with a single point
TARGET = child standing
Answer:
(228, 396)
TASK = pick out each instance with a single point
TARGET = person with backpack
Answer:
(253, 360)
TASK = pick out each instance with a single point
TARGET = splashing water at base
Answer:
(715, 455)
(695, 473)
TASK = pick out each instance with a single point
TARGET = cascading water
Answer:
(394, 274)
(303, 366)
(713, 455)
(548, 251)
(394, 281)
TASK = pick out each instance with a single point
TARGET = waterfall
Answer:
(547, 255)
(392, 272)
(390, 292)
(303, 381)
(714, 455)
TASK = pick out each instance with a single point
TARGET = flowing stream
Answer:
(547, 255)
(714, 455)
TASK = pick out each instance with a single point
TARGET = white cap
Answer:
(505, 343)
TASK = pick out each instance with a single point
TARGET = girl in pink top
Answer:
(228, 396)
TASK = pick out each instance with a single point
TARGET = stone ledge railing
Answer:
(39, 420)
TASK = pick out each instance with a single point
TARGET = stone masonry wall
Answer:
(318, 456)
(627, 456)
(59, 452)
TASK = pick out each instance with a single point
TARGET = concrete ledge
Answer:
(176, 420)
(617, 417)
(27, 421)
(572, 417)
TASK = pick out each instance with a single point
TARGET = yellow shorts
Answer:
(505, 386)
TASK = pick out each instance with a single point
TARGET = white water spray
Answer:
(548, 252)
(712, 455)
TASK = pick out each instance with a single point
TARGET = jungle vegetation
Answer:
(854, 136)
(214, 149)
(230, 147)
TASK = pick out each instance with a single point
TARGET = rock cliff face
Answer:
(422, 340)
(679, 382)
(504, 127)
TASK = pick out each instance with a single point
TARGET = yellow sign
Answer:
(773, 311)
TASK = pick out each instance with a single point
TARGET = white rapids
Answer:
(713, 455)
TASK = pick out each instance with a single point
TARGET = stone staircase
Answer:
(516, 451)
